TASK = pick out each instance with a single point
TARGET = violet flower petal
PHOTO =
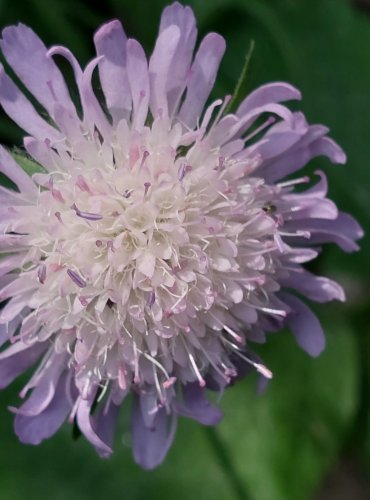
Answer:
(34, 429)
(202, 77)
(159, 69)
(305, 326)
(197, 406)
(150, 445)
(110, 42)
(271, 92)
(86, 425)
(183, 18)
(138, 77)
(26, 54)
(105, 423)
(22, 359)
(21, 111)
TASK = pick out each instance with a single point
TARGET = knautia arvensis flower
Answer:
(161, 239)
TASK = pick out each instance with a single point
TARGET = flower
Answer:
(159, 241)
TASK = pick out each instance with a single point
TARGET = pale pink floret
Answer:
(155, 246)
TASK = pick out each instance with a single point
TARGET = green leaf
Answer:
(27, 163)
(283, 442)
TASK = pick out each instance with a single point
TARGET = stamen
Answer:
(269, 310)
(136, 365)
(181, 297)
(122, 378)
(151, 299)
(280, 243)
(145, 156)
(80, 282)
(110, 245)
(81, 183)
(162, 399)
(59, 217)
(294, 182)
(146, 187)
(86, 215)
(237, 337)
(224, 375)
(226, 101)
(183, 170)
(127, 193)
(202, 382)
(302, 234)
(258, 366)
(57, 195)
(264, 125)
(169, 383)
(104, 390)
(41, 273)
(229, 371)
(83, 300)
(264, 370)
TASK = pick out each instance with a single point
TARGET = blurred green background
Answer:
(308, 437)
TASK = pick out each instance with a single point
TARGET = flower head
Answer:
(159, 241)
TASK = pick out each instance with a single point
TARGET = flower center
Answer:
(135, 254)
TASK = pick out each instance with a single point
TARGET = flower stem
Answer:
(223, 458)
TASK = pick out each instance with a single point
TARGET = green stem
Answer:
(235, 99)
(223, 458)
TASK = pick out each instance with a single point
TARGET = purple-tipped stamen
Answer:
(151, 299)
(41, 273)
(76, 278)
(127, 193)
(86, 215)
(81, 183)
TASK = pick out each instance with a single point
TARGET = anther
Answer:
(127, 193)
(41, 273)
(83, 301)
(151, 299)
(77, 279)
(57, 195)
(110, 245)
(81, 183)
(169, 383)
(58, 216)
(86, 215)
(263, 370)
(145, 156)
(183, 170)
(231, 332)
